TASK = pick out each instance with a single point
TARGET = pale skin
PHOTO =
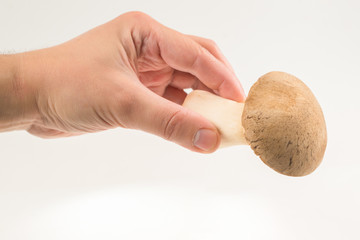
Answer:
(130, 72)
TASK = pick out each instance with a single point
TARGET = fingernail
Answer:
(205, 139)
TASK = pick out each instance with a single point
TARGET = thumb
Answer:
(171, 121)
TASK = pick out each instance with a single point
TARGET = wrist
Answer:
(18, 108)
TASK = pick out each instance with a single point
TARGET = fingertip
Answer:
(236, 91)
(232, 90)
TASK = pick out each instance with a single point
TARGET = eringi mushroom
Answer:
(281, 120)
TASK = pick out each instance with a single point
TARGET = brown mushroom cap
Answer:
(284, 124)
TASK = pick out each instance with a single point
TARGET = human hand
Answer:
(129, 72)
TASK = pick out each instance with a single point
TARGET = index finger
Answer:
(183, 53)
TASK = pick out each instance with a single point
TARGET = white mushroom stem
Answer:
(225, 114)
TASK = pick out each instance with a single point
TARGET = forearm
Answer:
(17, 101)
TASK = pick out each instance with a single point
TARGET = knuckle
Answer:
(212, 45)
(135, 15)
(173, 124)
(210, 42)
(198, 57)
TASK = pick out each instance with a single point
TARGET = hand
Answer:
(129, 72)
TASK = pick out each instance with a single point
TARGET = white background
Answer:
(125, 184)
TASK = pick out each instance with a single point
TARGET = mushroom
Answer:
(281, 120)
